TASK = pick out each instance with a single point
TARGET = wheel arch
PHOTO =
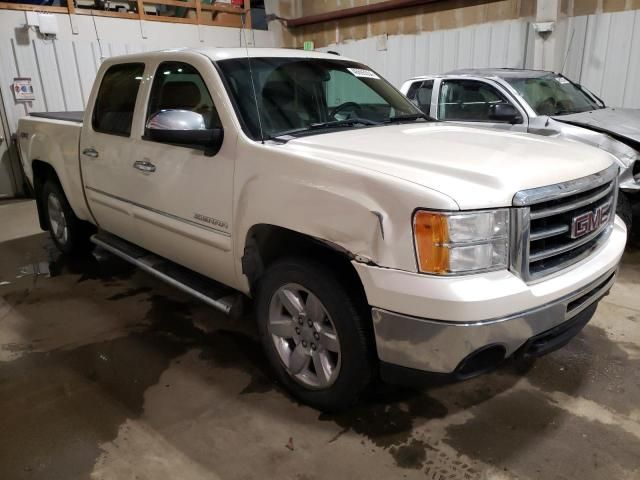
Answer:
(42, 172)
(266, 243)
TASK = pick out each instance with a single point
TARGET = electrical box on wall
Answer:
(47, 24)
(32, 19)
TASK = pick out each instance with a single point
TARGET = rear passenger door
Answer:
(105, 148)
(473, 103)
(421, 94)
(182, 197)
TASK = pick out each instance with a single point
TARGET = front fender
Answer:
(366, 213)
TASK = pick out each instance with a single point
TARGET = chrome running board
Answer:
(209, 291)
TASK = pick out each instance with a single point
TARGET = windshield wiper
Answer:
(409, 117)
(564, 112)
(345, 122)
(332, 124)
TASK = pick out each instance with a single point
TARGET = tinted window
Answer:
(420, 93)
(179, 86)
(468, 100)
(116, 100)
(295, 93)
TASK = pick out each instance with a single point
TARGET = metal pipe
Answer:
(354, 12)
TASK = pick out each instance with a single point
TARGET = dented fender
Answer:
(624, 153)
(365, 213)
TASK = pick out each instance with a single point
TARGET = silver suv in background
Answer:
(540, 102)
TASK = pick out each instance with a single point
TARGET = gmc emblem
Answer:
(590, 221)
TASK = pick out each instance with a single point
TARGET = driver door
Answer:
(471, 102)
(183, 195)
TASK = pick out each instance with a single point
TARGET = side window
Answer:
(468, 100)
(179, 86)
(116, 100)
(420, 94)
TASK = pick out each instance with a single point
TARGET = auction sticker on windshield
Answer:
(360, 72)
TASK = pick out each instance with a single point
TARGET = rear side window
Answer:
(420, 93)
(116, 100)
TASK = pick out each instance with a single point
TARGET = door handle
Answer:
(90, 152)
(144, 166)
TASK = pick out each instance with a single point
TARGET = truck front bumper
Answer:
(463, 326)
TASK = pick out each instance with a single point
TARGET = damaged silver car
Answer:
(538, 102)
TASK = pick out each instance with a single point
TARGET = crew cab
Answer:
(372, 241)
(539, 102)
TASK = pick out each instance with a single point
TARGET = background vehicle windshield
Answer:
(553, 95)
(294, 93)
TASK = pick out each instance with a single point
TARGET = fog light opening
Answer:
(481, 361)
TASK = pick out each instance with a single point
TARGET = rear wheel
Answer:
(70, 234)
(315, 334)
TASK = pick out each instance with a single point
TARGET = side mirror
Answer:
(505, 112)
(186, 128)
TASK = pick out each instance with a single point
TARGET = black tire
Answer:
(76, 240)
(349, 315)
(625, 211)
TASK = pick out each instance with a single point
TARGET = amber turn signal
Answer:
(431, 235)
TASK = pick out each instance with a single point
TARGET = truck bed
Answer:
(66, 116)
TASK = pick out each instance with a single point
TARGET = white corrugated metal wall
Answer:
(602, 51)
(63, 69)
(604, 55)
(497, 44)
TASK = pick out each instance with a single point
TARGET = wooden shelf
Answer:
(105, 13)
(175, 3)
(223, 15)
(33, 8)
(160, 18)
(214, 7)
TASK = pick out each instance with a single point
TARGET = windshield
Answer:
(553, 95)
(298, 95)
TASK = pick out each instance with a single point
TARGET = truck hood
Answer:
(618, 122)
(477, 168)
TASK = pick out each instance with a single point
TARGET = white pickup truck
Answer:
(375, 242)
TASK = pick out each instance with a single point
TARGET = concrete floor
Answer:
(107, 373)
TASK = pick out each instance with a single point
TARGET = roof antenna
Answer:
(253, 83)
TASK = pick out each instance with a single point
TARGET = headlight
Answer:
(455, 243)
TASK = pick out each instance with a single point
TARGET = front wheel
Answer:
(315, 334)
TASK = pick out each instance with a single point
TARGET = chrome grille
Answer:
(559, 225)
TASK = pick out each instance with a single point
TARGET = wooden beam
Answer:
(223, 15)
(33, 8)
(173, 3)
(198, 14)
(160, 18)
(247, 18)
(214, 7)
(361, 10)
(107, 13)
(222, 21)
(140, 9)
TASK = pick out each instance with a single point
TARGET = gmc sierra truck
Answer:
(373, 241)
